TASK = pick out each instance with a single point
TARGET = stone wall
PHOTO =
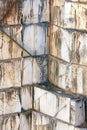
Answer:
(68, 54)
(43, 65)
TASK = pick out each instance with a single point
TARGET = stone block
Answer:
(26, 121)
(80, 128)
(59, 106)
(67, 76)
(80, 1)
(27, 71)
(11, 13)
(35, 39)
(62, 43)
(34, 70)
(80, 50)
(68, 45)
(60, 126)
(15, 32)
(40, 71)
(33, 120)
(8, 48)
(35, 11)
(10, 122)
(43, 122)
(26, 98)
(16, 100)
(10, 74)
(9, 102)
(69, 15)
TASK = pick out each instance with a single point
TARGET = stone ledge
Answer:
(33, 120)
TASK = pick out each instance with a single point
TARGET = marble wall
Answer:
(43, 65)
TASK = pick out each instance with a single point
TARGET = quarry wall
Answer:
(43, 65)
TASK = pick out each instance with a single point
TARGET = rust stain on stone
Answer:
(9, 95)
(10, 47)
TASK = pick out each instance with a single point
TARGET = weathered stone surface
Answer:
(35, 39)
(8, 49)
(34, 70)
(32, 11)
(61, 126)
(67, 66)
(33, 120)
(55, 2)
(26, 98)
(35, 11)
(10, 74)
(68, 45)
(26, 121)
(37, 121)
(59, 107)
(40, 71)
(43, 122)
(62, 43)
(80, 40)
(68, 76)
(9, 102)
(69, 15)
(82, 1)
(9, 122)
(14, 32)
(16, 100)
(11, 13)
(27, 71)
(80, 128)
